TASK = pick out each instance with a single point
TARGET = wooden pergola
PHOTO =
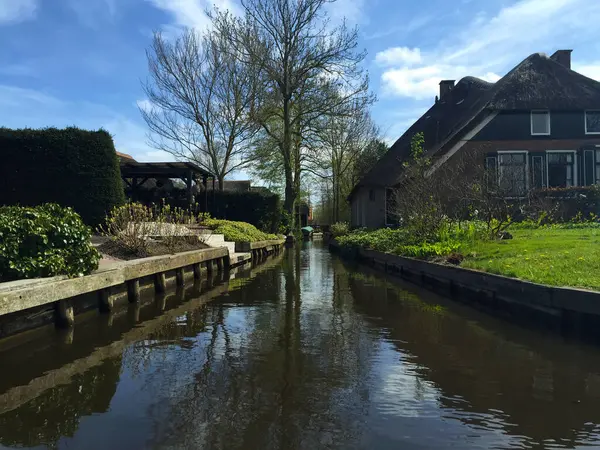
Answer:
(136, 173)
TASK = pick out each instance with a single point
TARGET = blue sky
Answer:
(80, 62)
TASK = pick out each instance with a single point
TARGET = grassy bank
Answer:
(549, 255)
(559, 255)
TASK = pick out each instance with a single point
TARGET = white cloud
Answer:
(192, 13)
(145, 104)
(591, 70)
(93, 12)
(492, 44)
(14, 11)
(423, 82)
(395, 56)
(351, 10)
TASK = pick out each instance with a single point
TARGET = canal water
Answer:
(306, 352)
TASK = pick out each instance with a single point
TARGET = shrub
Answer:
(339, 229)
(237, 231)
(71, 167)
(261, 209)
(130, 225)
(44, 241)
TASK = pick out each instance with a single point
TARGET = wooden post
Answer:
(105, 302)
(179, 278)
(64, 314)
(190, 195)
(133, 291)
(220, 264)
(205, 184)
(160, 283)
(197, 271)
(161, 302)
(209, 268)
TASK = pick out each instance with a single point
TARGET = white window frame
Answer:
(499, 168)
(585, 120)
(549, 122)
(575, 177)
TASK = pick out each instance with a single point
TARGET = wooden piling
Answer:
(133, 291)
(160, 283)
(65, 316)
(179, 277)
(197, 271)
(105, 302)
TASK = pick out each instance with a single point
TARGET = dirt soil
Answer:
(155, 248)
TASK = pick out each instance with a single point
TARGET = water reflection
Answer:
(311, 353)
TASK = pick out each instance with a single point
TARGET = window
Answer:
(540, 123)
(491, 172)
(390, 216)
(597, 166)
(588, 167)
(537, 172)
(592, 122)
(513, 172)
(561, 168)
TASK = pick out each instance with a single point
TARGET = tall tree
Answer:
(307, 68)
(342, 138)
(201, 99)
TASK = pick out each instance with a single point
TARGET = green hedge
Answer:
(238, 231)
(71, 167)
(263, 210)
(44, 241)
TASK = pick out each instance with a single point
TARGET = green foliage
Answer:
(417, 146)
(340, 229)
(44, 241)
(71, 167)
(261, 209)
(237, 231)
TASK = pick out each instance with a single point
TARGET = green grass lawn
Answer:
(559, 257)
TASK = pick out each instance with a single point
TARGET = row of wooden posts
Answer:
(65, 315)
(64, 308)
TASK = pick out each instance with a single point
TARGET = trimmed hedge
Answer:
(238, 231)
(263, 210)
(70, 167)
(44, 241)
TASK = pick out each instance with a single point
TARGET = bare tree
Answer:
(304, 64)
(201, 99)
(342, 137)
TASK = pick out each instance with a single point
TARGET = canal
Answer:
(307, 352)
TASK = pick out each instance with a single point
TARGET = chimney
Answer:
(563, 57)
(445, 87)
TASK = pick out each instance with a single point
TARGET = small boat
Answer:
(307, 232)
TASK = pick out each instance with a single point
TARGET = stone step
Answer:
(214, 240)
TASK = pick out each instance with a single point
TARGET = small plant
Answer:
(131, 226)
(44, 241)
(340, 229)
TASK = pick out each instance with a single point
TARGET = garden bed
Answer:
(154, 248)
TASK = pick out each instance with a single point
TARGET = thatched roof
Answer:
(438, 124)
(538, 82)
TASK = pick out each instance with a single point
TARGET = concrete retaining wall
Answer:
(559, 308)
(27, 304)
